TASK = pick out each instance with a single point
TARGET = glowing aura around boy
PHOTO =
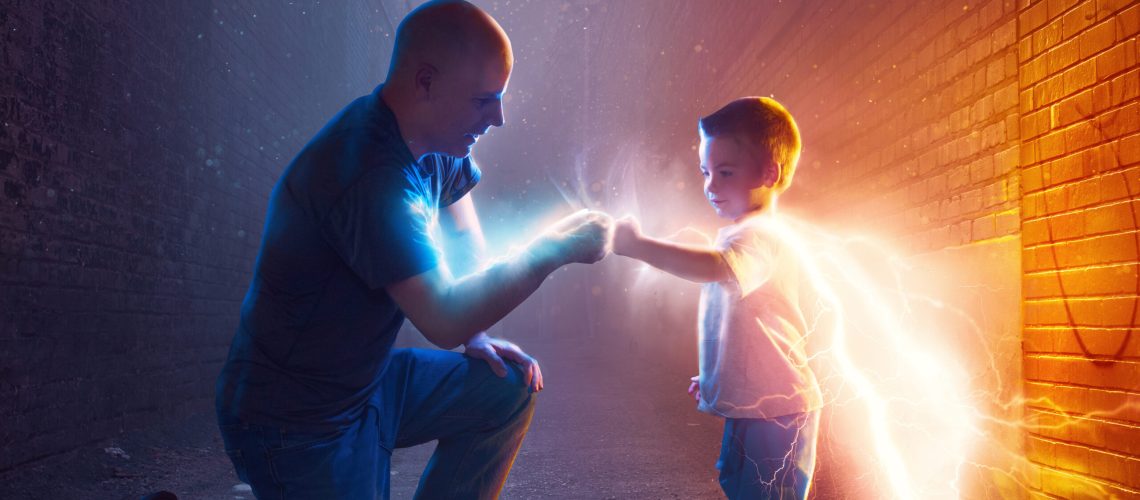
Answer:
(920, 413)
(912, 400)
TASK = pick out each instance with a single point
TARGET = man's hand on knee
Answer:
(496, 352)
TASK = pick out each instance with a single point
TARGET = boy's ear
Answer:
(776, 174)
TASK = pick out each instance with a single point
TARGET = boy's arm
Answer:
(699, 264)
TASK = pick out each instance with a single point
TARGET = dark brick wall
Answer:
(138, 146)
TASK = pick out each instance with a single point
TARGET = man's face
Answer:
(466, 101)
(736, 180)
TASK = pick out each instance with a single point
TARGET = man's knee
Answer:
(512, 396)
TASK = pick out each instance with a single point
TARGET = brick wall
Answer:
(909, 112)
(929, 122)
(985, 130)
(947, 129)
(138, 147)
(1078, 86)
(911, 132)
(998, 140)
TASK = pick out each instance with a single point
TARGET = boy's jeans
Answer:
(478, 418)
(768, 458)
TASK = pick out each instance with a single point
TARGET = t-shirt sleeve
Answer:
(382, 229)
(750, 257)
(456, 176)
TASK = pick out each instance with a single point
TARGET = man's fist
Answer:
(582, 237)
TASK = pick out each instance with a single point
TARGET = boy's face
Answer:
(738, 178)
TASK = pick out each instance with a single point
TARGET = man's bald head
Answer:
(441, 33)
(450, 70)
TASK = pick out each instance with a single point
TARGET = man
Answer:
(312, 399)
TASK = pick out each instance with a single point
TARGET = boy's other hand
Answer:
(627, 232)
(695, 388)
(582, 236)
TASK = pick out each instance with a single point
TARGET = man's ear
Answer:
(425, 78)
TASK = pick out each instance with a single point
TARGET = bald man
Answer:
(312, 398)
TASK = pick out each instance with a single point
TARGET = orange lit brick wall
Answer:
(995, 141)
(909, 112)
(920, 136)
(1080, 118)
(911, 131)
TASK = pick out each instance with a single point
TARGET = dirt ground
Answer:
(605, 427)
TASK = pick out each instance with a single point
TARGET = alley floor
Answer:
(607, 426)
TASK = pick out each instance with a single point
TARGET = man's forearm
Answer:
(478, 301)
(460, 222)
(698, 264)
(449, 312)
(470, 250)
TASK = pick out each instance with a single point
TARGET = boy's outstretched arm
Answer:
(694, 263)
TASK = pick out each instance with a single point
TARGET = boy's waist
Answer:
(758, 393)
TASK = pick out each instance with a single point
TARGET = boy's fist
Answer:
(627, 232)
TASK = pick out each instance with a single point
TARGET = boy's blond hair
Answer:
(762, 122)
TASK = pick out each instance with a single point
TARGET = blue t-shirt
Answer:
(352, 213)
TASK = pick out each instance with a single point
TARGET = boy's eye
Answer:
(726, 173)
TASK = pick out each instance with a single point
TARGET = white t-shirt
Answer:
(753, 344)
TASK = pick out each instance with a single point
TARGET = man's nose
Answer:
(498, 118)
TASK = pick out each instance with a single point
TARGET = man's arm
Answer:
(699, 264)
(460, 222)
(450, 311)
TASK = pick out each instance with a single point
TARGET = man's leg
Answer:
(277, 464)
(768, 458)
(479, 419)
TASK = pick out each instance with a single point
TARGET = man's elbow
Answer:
(448, 336)
(445, 344)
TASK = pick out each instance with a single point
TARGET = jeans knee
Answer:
(513, 396)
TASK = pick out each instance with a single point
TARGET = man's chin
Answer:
(458, 152)
(461, 150)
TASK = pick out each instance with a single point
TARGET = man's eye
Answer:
(704, 173)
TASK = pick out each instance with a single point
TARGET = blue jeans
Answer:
(768, 458)
(479, 419)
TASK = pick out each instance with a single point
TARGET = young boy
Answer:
(753, 365)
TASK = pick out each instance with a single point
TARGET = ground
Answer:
(607, 426)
